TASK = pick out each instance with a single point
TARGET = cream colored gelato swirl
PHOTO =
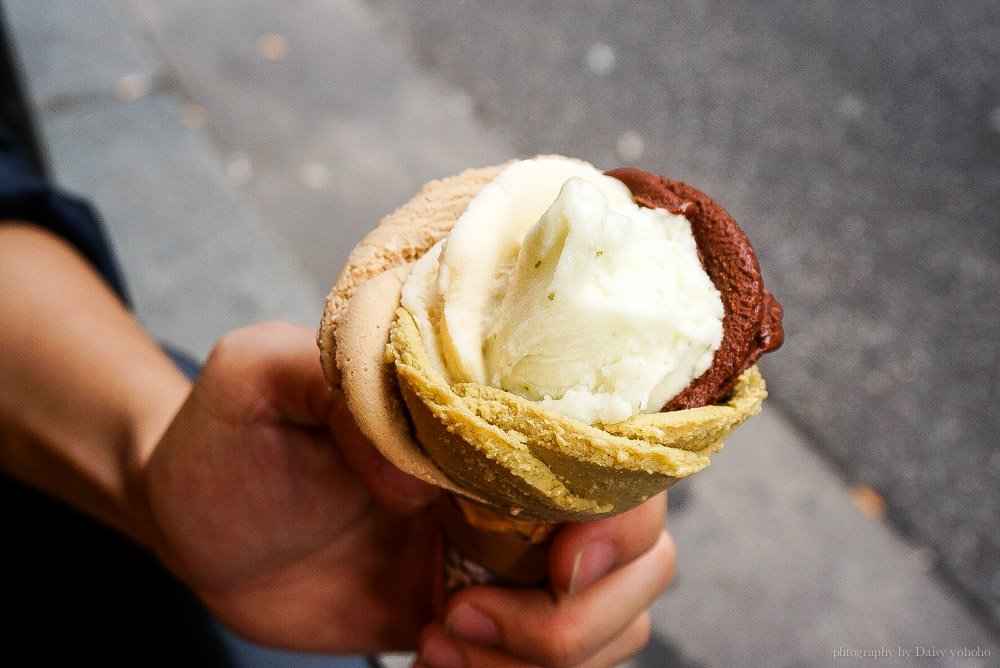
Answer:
(555, 286)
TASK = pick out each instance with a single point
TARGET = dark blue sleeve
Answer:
(26, 196)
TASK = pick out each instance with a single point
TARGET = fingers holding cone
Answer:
(597, 625)
(396, 491)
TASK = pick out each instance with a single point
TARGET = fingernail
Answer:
(405, 487)
(440, 652)
(591, 564)
(468, 623)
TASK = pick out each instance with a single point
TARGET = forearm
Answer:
(84, 392)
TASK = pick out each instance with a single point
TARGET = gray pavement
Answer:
(238, 149)
(858, 143)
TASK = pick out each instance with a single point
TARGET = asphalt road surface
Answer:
(858, 144)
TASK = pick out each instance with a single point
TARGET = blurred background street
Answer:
(239, 149)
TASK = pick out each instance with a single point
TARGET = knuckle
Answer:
(667, 559)
(639, 633)
(564, 644)
(269, 332)
(239, 344)
(233, 344)
(658, 507)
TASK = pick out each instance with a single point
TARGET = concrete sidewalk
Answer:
(237, 151)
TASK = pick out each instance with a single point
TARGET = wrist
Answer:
(149, 423)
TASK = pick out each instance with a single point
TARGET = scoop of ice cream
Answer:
(490, 445)
(555, 286)
(607, 312)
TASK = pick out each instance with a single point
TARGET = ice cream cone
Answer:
(514, 469)
(485, 546)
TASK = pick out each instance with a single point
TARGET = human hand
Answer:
(266, 500)
(604, 576)
(253, 504)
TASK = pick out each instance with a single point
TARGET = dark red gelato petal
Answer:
(752, 322)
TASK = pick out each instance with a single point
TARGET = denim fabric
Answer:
(26, 196)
